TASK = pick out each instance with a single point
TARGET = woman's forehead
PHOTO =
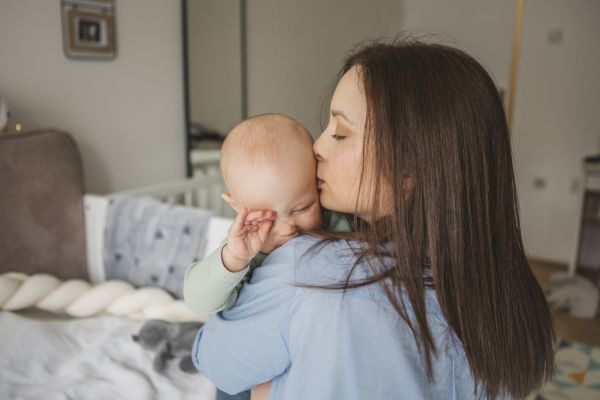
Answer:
(349, 102)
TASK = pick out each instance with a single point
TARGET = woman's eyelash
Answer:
(338, 137)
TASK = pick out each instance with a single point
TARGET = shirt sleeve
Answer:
(248, 344)
(208, 286)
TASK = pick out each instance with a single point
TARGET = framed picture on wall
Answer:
(89, 29)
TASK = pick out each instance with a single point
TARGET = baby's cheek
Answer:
(317, 218)
(312, 220)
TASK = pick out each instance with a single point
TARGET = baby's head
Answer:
(268, 163)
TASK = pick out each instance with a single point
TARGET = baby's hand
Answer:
(260, 392)
(246, 237)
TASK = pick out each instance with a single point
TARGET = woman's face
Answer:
(340, 146)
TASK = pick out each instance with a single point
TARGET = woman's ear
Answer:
(229, 200)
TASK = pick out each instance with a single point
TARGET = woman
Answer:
(432, 297)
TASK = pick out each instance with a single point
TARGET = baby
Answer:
(269, 169)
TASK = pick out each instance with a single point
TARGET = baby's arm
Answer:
(211, 285)
(260, 392)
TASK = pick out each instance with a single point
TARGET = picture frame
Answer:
(89, 29)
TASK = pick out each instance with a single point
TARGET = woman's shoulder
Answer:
(308, 260)
(314, 251)
(318, 262)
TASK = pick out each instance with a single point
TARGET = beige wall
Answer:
(126, 114)
(214, 63)
(296, 47)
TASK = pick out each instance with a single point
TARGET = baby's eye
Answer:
(302, 209)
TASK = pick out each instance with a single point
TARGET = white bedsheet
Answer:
(93, 358)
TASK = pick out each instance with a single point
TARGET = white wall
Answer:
(556, 121)
(126, 114)
(295, 48)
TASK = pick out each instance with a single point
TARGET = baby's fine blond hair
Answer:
(264, 140)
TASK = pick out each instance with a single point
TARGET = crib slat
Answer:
(188, 198)
(203, 191)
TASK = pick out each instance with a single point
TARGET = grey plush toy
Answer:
(167, 341)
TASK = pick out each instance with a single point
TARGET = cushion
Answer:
(8, 286)
(65, 294)
(141, 298)
(98, 298)
(175, 311)
(41, 206)
(31, 291)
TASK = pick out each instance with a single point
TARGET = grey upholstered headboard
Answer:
(41, 205)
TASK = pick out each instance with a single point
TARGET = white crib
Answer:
(201, 192)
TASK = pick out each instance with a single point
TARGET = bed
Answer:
(48, 224)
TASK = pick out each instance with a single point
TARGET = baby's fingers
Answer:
(238, 225)
(256, 217)
(251, 228)
(263, 230)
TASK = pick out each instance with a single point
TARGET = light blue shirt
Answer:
(322, 344)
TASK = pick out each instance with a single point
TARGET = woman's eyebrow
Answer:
(338, 113)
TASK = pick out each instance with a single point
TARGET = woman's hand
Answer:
(246, 237)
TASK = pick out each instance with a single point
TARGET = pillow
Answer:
(31, 291)
(135, 301)
(98, 298)
(66, 293)
(8, 287)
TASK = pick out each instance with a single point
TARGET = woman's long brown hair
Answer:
(435, 119)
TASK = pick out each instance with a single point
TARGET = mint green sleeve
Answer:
(209, 287)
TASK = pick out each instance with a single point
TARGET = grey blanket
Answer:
(149, 243)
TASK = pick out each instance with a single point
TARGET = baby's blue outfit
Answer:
(325, 344)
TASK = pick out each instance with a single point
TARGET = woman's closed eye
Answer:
(338, 136)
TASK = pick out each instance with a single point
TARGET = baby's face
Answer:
(288, 188)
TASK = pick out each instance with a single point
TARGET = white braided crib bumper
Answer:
(80, 299)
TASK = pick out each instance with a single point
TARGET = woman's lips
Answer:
(320, 182)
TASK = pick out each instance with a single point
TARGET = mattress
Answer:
(48, 356)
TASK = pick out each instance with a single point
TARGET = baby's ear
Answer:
(229, 200)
